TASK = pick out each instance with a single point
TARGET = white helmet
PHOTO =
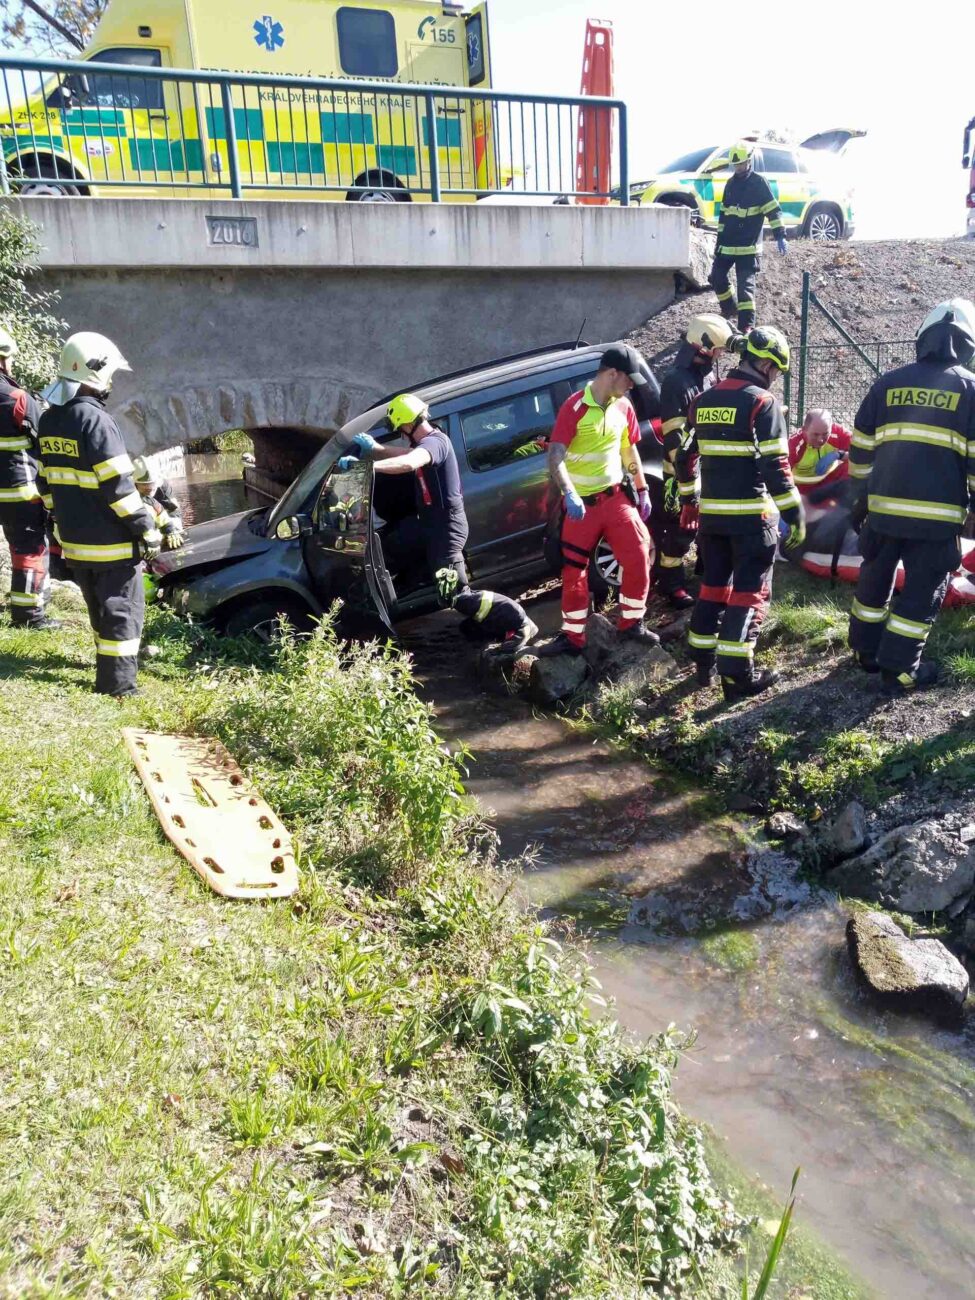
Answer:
(947, 333)
(142, 472)
(708, 333)
(89, 359)
(8, 344)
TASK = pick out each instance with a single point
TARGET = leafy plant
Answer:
(28, 313)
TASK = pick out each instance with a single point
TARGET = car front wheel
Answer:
(261, 619)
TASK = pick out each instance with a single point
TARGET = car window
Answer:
(688, 162)
(343, 506)
(367, 42)
(121, 91)
(510, 430)
(777, 160)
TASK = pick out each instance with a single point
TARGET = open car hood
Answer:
(218, 541)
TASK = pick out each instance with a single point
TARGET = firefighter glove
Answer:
(672, 496)
(151, 544)
(796, 535)
(574, 506)
(858, 512)
(173, 540)
(346, 463)
(781, 244)
(643, 504)
(365, 444)
(689, 518)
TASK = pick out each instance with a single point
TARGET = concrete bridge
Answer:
(290, 317)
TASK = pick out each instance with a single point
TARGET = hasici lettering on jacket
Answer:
(715, 415)
(935, 398)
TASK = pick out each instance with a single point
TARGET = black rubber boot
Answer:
(44, 624)
(641, 634)
(559, 645)
(704, 676)
(680, 599)
(905, 683)
(743, 688)
(866, 662)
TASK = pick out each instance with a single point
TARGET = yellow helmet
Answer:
(708, 333)
(741, 152)
(766, 343)
(405, 409)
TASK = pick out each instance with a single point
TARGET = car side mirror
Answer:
(292, 527)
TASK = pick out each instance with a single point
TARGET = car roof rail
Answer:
(569, 345)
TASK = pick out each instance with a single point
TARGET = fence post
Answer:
(230, 126)
(433, 147)
(4, 178)
(624, 159)
(803, 345)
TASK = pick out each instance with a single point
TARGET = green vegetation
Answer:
(732, 950)
(234, 440)
(394, 1084)
(26, 312)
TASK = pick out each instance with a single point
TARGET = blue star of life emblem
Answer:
(268, 33)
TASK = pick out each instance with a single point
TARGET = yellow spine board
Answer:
(214, 817)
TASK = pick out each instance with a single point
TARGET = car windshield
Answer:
(688, 162)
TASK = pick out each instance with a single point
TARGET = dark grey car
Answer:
(354, 536)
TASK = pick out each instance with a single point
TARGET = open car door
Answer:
(834, 141)
(342, 551)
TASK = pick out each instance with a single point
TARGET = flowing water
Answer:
(791, 1065)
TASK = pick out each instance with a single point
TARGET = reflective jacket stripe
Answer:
(106, 553)
(14, 444)
(915, 509)
(127, 505)
(65, 476)
(484, 608)
(22, 492)
(112, 468)
(755, 506)
(946, 438)
(708, 448)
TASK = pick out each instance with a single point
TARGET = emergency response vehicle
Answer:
(815, 202)
(78, 134)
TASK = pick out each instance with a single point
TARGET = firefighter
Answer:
(691, 374)
(593, 443)
(737, 433)
(161, 500)
(439, 497)
(104, 527)
(913, 465)
(22, 514)
(746, 203)
(487, 615)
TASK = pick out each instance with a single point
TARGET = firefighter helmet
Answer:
(89, 359)
(8, 344)
(405, 409)
(947, 333)
(709, 333)
(742, 152)
(766, 343)
(142, 472)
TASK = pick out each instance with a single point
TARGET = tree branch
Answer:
(58, 26)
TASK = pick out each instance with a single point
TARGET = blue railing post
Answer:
(433, 146)
(624, 159)
(230, 127)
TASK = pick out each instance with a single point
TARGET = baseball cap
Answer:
(622, 357)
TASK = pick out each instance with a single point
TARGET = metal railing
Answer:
(82, 127)
(831, 367)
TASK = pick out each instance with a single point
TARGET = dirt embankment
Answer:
(876, 290)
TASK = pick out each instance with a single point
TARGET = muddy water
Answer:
(213, 487)
(791, 1066)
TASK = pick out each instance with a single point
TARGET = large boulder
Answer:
(906, 974)
(849, 833)
(919, 868)
(555, 679)
(626, 662)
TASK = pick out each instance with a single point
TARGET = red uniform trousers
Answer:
(611, 515)
(23, 524)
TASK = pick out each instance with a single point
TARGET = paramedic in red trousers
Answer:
(737, 434)
(913, 463)
(105, 529)
(819, 455)
(691, 374)
(22, 514)
(594, 443)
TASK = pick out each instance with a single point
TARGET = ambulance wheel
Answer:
(261, 618)
(388, 189)
(823, 225)
(40, 180)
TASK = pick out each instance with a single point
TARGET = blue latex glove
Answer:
(826, 463)
(574, 506)
(346, 463)
(643, 504)
(366, 444)
(781, 244)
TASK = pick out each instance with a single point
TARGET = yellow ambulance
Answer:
(113, 134)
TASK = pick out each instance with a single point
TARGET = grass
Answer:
(394, 1084)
